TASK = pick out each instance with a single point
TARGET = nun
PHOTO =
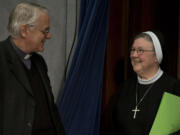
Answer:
(137, 101)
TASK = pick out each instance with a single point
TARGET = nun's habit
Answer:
(132, 115)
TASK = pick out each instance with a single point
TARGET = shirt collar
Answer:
(20, 53)
(151, 80)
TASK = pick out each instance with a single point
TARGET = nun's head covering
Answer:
(156, 44)
(157, 38)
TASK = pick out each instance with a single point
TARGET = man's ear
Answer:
(23, 31)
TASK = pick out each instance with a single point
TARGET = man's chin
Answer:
(41, 49)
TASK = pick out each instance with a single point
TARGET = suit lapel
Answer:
(16, 67)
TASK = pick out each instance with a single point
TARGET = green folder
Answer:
(167, 119)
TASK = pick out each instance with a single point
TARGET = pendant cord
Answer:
(135, 110)
(147, 91)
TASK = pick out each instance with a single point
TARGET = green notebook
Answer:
(168, 116)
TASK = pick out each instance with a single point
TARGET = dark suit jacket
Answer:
(17, 104)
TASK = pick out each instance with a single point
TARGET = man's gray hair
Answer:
(24, 13)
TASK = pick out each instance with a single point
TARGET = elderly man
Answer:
(26, 101)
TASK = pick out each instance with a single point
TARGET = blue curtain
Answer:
(80, 101)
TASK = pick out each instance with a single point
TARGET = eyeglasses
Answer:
(44, 32)
(139, 51)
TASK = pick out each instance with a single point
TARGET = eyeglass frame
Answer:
(140, 51)
(45, 32)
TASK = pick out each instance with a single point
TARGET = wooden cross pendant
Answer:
(135, 111)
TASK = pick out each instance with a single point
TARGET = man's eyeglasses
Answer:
(139, 51)
(45, 32)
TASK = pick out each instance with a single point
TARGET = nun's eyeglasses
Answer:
(139, 51)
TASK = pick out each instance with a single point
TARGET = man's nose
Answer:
(48, 35)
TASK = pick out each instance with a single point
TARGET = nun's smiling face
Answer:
(143, 58)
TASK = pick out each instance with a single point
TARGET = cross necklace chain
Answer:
(135, 110)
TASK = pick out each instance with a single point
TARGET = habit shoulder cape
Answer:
(125, 101)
